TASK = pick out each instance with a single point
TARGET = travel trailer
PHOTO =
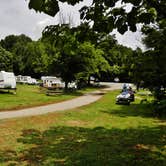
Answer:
(7, 80)
(52, 82)
(25, 79)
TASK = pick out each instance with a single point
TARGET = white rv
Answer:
(7, 80)
(52, 82)
(25, 79)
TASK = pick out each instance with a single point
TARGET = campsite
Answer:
(83, 83)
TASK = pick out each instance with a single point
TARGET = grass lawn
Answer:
(100, 134)
(28, 95)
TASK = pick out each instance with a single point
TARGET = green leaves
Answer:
(100, 12)
(121, 25)
(6, 62)
(36, 4)
(49, 7)
(145, 18)
(134, 2)
(110, 3)
(123, 28)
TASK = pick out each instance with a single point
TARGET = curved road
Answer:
(69, 104)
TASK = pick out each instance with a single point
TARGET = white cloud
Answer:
(129, 39)
(40, 25)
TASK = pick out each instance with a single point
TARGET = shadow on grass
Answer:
(12, 92)
(79, 146)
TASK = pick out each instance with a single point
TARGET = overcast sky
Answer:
(16, 18)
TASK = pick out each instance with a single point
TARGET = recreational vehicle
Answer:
(52, 82)
(25, 79)
(7, 80)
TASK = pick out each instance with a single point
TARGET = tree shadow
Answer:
(77, 146)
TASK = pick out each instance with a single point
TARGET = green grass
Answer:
(102, 133)
(28, 96)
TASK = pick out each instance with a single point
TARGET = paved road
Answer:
(70, 104)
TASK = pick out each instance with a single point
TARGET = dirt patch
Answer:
(76, 123)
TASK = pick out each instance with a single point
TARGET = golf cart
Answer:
(126, 96)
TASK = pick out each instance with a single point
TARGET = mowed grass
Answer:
(100, 134)
(29, 95)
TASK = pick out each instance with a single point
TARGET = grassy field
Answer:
(100, 134)
(28, 96)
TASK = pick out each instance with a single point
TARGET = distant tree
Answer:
(36, 59)
(12, 41)
(136, 69)
(17, 46)
(19, 52)
(92, 61)
(6, 63)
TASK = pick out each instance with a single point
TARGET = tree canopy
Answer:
(73, 59)
(107, 15)
(6, 60)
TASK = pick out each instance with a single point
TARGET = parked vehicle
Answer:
(26, 80)
(123, 98)
(52, 82)
(72, 85)
(126, 96)
(7, 80)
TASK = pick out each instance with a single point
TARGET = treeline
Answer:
(70, 53)
(76, 54)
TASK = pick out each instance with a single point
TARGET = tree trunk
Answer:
(89, 81)
(66, 85)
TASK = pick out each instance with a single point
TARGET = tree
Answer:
(105, 15)
(36, 60)
(10, 42)
(64, 62)
(92, 61)
(153, 60)
(6, 62)
(73, 59)
(121, 60)
(17, 46)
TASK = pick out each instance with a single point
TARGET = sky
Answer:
(16, 18)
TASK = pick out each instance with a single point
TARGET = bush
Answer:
(160, 107)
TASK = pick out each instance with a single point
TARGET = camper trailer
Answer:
(52, 82)
(25, 80)
(7, 80)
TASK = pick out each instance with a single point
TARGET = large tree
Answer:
(152, 62)
(72, 59)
